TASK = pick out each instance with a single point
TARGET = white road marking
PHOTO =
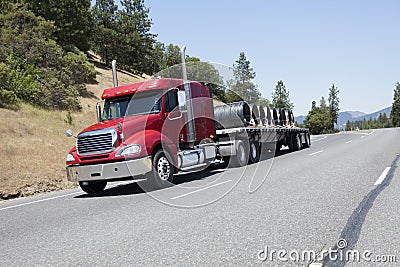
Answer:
(201, 189)
(315, 153)
(373, 131)
(316, 264)
(348, 142)
(383, 176)
(363, 136)
(37, 201)
(320, 139)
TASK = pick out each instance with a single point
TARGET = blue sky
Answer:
(307, 44)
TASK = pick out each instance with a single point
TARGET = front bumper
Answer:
(109, 171)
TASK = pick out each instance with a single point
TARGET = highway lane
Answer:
(304, 203)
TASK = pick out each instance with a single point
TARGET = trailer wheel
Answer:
(296, 142)
(290, 142)
(162, 172)
(307, 143)
(92, 187)
(241, 157)
(278, 146)
(254, 152)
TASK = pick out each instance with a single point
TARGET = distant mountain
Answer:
(352, 116)
(375, 115)
(300, 119)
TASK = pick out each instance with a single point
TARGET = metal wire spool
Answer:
(282, 116)
(291, 117)
(268, 116)
(263, 121)
(255, 114)
(232, 115)
(287, 116)
(275, 116)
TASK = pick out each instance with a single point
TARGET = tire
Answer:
(226, 160)
(307, 143)
(242, 155)
(290, 142)
(278, 146)
(162, 172)
(93, 187)
(254, 152)
(296, 142)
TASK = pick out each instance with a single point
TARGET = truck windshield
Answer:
(138, 104)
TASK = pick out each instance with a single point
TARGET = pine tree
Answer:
(313, 105)
(72, 18)
(242, 86)
(322, 104)
(280, 97)
(395, 113)
(333, 105)
(134, 35)
(105, 40)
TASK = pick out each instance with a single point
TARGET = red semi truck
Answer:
(157, 128)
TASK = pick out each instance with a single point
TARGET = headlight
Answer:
(129, 150)
(70, 158)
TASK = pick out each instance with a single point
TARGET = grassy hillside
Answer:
(34, 146)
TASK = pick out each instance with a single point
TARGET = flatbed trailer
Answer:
(243, 143)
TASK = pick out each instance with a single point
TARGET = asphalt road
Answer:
(308, 201)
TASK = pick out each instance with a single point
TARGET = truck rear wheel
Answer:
(296, 142)
(307, 142)
(92, 187)
(242, 156)
(290, 142)
(254, 152)
(162, 172)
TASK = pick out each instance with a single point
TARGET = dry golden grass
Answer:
(34, 146)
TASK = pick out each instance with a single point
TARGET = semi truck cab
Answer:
(144, 129)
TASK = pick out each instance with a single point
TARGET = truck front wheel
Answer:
(163, 171)
(93, 187)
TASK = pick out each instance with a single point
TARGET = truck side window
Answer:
(171, 100)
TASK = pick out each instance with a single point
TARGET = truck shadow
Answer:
(135, 188)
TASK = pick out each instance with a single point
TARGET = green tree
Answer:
(333, 105)
(242, 86)
(322, 104)
(395, 113)
(135, 38)
(72, 20)
(34, 68)
(105, 38)
(172, 56)
(156, 58)
(317, 119)
(280, 97)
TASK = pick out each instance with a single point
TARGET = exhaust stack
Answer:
(114, 72)
(191, 137)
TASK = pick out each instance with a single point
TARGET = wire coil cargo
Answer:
(233, 115)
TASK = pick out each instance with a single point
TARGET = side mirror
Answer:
(98, 111)
(69, 133)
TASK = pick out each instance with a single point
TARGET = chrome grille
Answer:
(96, 142)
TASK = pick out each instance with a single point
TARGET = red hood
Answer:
(139, 120)
(104, 125)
